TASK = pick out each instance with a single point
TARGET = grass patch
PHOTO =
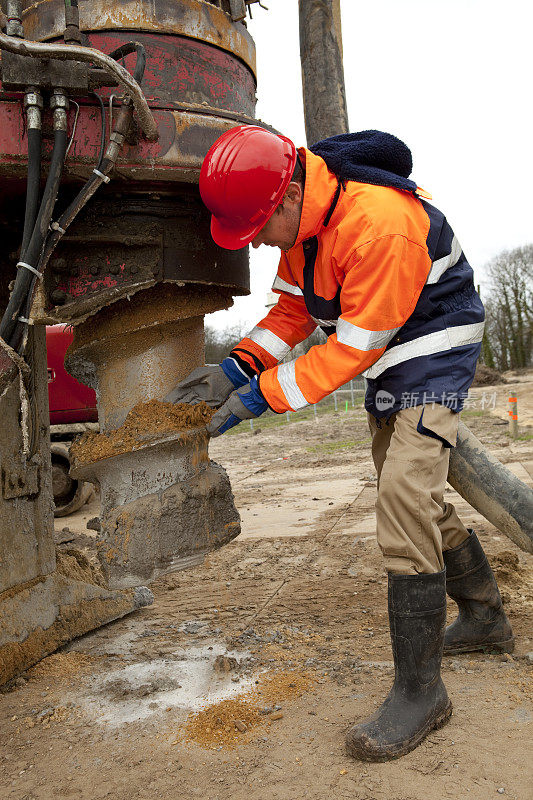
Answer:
(333, 447)
(271, 420)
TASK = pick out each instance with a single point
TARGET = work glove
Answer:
(244, 403)
(210, 384)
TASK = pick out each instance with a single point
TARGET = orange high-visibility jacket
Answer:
(357, 268)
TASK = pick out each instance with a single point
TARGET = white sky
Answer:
(449, 77)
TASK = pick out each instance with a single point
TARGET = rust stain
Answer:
(192, 18)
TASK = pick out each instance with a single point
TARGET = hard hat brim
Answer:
(232, 238)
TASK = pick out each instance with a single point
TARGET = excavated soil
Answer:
(222, 725)
(164, 703)
(145, 421)
(77, 566)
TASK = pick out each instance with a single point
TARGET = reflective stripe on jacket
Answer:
(381, 271)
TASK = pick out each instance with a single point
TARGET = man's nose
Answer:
(256, 241)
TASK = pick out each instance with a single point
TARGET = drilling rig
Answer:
(106, 112)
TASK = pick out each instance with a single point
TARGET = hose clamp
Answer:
(60, 119)
(101, 175)
(55, 226)
(30, 269)
(14, 27)
(33, 105)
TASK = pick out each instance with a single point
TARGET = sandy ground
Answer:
(299, 599)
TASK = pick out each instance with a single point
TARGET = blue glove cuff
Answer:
(231, 370)
(229, 423)
(253, 399)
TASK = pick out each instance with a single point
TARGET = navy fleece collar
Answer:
(368, 157)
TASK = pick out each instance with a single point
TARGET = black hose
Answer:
(102, 128)
(82, 198)
(126, 50)
(32, 187)
(25, 279)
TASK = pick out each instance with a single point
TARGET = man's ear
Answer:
(294, 192)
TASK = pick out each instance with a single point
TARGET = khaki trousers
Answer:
(414, 524)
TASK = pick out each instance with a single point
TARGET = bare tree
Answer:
(508, 341)
(219, 343)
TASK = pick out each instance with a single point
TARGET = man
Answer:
(379, 269)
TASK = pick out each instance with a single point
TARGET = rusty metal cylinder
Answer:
(137, 270)
(141, 367)
(136, 350)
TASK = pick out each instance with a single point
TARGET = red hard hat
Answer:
(242, 180)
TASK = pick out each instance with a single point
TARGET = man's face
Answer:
(281, 229)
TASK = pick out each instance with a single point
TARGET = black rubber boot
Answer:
(482, 623)
(418, 701)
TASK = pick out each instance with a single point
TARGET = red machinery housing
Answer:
(135, 269)
(72, 411)
(70, 401)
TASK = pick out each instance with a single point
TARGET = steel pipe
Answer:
(492, 489)
(322, 71)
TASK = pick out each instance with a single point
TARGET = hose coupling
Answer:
(59, 104)
(117, 137)
(112, 151)
(72, 25)
(33, 105)
(14, 19)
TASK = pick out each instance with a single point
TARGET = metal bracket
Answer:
(19, 72)
(237, 10)
(20, 482)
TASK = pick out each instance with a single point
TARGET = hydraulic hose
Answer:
(33, 105)
(99, 176)
(102, 129)
(73, 52)
(25, 278)
(32, 188)
(126, 50)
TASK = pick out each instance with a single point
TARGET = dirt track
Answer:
(301, 595)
